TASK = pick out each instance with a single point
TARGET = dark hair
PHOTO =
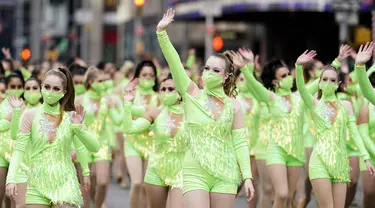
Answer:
(372, 79)
(101, 65)
(167, 78)
(2, 71)
(327, 68)
(307, 68)
(230, 83)
(77, 69)
(67, 102)
(342, 83)
(269, 73)
(139, 68)
(34, 79)
(14, 75)
(2, 80)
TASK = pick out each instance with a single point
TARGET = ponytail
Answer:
(91, 74)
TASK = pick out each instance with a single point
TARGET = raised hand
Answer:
(353, 54)
(6, 53)
(364, 54)
(344, 52)
(167, 19)
(15, 102)
(130, 91)
(306, 57)
(78, 115)
(247, 54)
(192, 52)
(238, 60)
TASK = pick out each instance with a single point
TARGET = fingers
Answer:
(248, 196)
(360, 48)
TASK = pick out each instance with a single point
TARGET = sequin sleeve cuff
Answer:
(242, 152)
(15, 123)
(336, 63)
(365, 84)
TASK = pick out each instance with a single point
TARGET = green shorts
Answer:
(130, 150)
(310, 140)
(4, 163)
(152, 177)
(196, 178)
(260, 151)
(33, 196)
(318, 170)
(104, 154)
(352, 152)
(277, 155)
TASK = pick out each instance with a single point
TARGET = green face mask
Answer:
(243, 87)
(328, 89)
(318, 73)
(351, 88)
(286, 83)
(168, 99)
(16, 93)
(79, 89)
(51, 97)
(108, 84)
(98, 87)
(32, 97)
(212, 80)
(146, 84)
(3, 95)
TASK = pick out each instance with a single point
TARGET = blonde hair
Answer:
(91, 74)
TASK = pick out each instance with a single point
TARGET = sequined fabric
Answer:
(6, 143)
(51, 170)
(169, 152)
(287, 127)
(210, 140)
(331, 141)
(264, 125)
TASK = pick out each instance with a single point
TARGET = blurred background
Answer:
(116, 30)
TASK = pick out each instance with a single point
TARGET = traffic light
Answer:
(139, 3)
(217, 43)
(25, 54)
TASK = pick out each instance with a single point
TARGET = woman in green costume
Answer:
(138, 146)
(329, 167)
(50, 130)
(98, 109)
(164, 172)
(218, 155)
(15, 87)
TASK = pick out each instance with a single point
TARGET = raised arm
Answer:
(259, 90)
(191, 59)
(363, 56)
(182, 80)
(307, 98)
(363, 128)
(16, 114)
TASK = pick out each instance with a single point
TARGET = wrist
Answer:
(159, 29)
(359, 63)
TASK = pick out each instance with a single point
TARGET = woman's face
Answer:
(216, 65)
(147, 73)
(329, 76)
(32, 86)
(78, 79)
(15, 84)
(281, 73)
(240, 79)
(53, 83)
(167, 87)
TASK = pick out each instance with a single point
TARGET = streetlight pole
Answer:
(211, 9)
(18, 43)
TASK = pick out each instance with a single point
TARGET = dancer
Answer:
(329, 167)
(138, 146)
(78, 73)
(49, 130)
(164, 172)
(218, 154)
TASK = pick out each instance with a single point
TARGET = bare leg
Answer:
(122, 171)
(279, 178)
(368, 189)
(102, 182)
(21, 195)
(254, 171)
(144, 194)
(323, 192)
(85, 194)
(174, 198)
(303, 193)
(92, 181)
(156, 196)
(196, 199)
(294, 174)
(63, 206)
(37, 206)
(339, 194)
(354, 175)
(267, 195)
(3, 176)
(218, 200)
(134, 164)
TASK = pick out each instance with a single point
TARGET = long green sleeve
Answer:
(138, 110)
(180, 77)
(366, 87)
(4, 125)
(261, 92)
(116, 116)
(242, 152)
(336, 64)
(364, 132)
(133, 127)
(190, 61)
(15, 123)
(25, 73)
(313, 87)
(307, 98)
(82, 156)
(354, 134)
(86, 137)
(17, 156)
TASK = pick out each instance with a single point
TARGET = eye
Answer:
(325, 79)
(35, 88)
(3, 91)
(19, 86)
(163, 89)
(284, 75)
(171, 89)
(206, 68)
(216, 70)
(333, 80)
(12, 86)
(27, 88)
(56, 88)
